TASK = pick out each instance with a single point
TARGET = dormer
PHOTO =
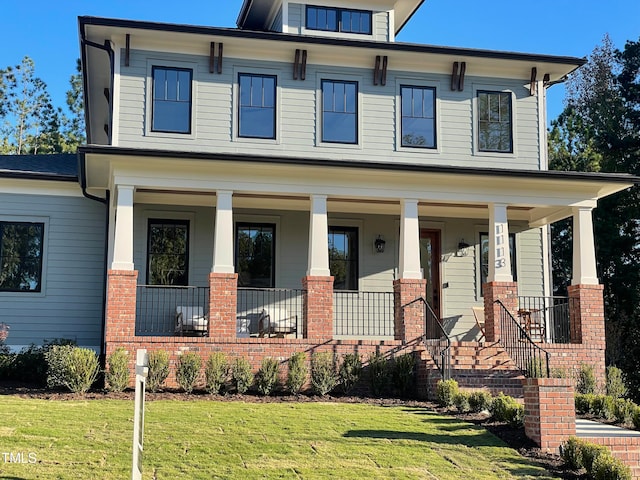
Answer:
(379, 20)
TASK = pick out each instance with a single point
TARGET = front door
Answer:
(430, 263)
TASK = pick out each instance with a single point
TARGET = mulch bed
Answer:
(514, 437)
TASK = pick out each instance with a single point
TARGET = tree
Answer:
(74, 126)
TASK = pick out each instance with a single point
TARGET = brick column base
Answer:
(409, 321)
(507, 293)
(120, 324)
(549, 411)
(223, 302)
(318, 308)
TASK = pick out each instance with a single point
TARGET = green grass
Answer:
(227, 440)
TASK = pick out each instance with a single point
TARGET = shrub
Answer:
(323, 372)
(606, 467)
(603, 406)
(501, 406)
(479, 401)
(267, 376)
(446, 391)
(616, 385)
(584, 403)
(117, 374)
(30, 365)
(241, 374)
(636, 418)
(536, 368)
(571, 453)
(297, 374)
(403, 374)
(590, 452)
(461, 402)
(586, 379)
(515, 415)
(158, 369)
(350, 371)
(623, 410)
(72, 367)
(188, 370)
(216, 370)
(378, 373)
(559, 372)
(57, 358)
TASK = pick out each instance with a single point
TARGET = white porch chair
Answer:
(278, 321)
(191, 320)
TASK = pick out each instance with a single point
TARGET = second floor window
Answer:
(343, 20)
(171, 111)
(257, 106)
(21, 246)
(418, 117)
(168, 252)
(339, 111)
(494, 122)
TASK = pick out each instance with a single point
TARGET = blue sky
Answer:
(47, 31)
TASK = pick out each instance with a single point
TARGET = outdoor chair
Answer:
(478, 313)
(276, 321)
(191, 320)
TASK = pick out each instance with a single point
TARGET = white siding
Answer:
(381, 26)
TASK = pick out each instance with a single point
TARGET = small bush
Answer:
(350, 371)
(188, 370)
(404, 374)
(72, 367)
(30, 365)
(586, 379)
(571, 453)
(603, 406)
(216, 370)
(616, 385)
(584, 403)
(446, 390)
(267, 376)
(117, 374)
(158, 369)
(590, 452)
(536, 368)
(461, 402)
(378, 373)
(623, 410)
(297, 373)
(636, 418)
(241, 374)
(324, 377)
(501, 406)
(515, 415)
(479, 401)
(559, 372)
(57, 358)
(607, 467)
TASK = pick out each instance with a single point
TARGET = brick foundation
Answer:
(121, 307)
(549, 411)
(409, 321)
(223, 299)
(507, 293)
(318, 308)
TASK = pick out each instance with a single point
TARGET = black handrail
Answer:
(435, 338)
(531, 359)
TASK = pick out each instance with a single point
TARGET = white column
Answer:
(584, 252)
(223, 233)
(499, 255)
(318, 263)
(123, 235)
(112, 226)
(409, 240)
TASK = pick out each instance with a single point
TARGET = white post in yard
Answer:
(142, 370)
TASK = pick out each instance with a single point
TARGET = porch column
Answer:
(223, 281)
(584, 252)
(409, 319)
(123, 244)
(500, 284)
(318, 283)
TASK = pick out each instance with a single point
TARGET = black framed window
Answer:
(484, 258)
(21, 245)
(418, 106)
(257, 106)
(495, 132)
(255, 254)
(344, 20)
(339, 111)
(168, 252)
(343, 257)
(172, 103)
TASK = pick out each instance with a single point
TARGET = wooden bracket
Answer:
(300, 64)
(463, 69)
(533, 84)
(457, 76)
(385, 61)
(220, 51)
(127, 49)
(546, 78)
(303, 67)
(212, 57)
(376, 70)
(380, 74)
(296, 62)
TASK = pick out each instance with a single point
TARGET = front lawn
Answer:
(227, 440)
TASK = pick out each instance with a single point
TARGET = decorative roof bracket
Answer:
(457, 76)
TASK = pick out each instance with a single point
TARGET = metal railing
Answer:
(435, 338)
(270, 312)
(552, 312)
(363, 314)
(156, 306)
(532, 360)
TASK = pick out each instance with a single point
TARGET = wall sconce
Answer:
(462, 248)
(379, 244)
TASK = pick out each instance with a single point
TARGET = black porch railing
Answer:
(435, 338)
(157, 305)
(363, 314)
(532, 360)
(268, 312)
(551, 312)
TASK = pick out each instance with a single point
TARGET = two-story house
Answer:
(299, 182)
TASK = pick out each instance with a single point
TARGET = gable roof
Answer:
(61, 167)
